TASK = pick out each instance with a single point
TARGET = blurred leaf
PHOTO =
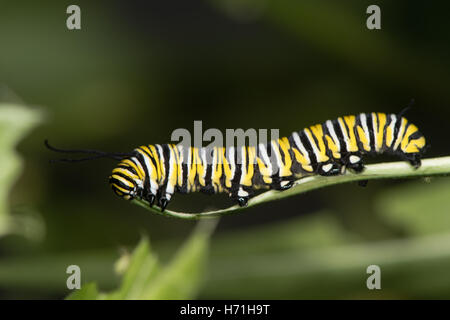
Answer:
(181, 278)
(143, 268)
(145, 279)
(89, 291)
(419, 208)
(15, 122)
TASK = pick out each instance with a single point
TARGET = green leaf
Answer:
(182, 277)
(88, 291)
(15, 122)
(142, 269)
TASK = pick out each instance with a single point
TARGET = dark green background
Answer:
(137, 70)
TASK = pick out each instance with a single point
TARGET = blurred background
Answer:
(137, 70)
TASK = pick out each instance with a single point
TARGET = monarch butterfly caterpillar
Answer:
(155, 172)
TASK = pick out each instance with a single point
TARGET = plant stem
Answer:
(390, 170)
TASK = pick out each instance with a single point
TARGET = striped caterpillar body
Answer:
(155, 172)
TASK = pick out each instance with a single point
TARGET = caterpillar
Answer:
(156, 172)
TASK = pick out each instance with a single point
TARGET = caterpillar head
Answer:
(125, 180)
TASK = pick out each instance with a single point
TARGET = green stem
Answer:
(429, 167)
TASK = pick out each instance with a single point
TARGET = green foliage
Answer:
(145, 278)
(16, 121)
(89, 291)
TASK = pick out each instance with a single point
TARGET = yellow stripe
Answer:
(389, 136)
(179, 166)
(123, 180)
(333, 147)
(350, 121)
(264, 170)
(217, 168)
(136, 168)
(193, 170)
(400, 133)
(126, 172)
(152, 151)
(321, 156)
(200, 167)
(303, 162)
(173, 178)
(317, 130)
(381, 124)
(411, 129)
(284, 145)
(226, 169)
(363, 138)
(122, 190)
(153, 172)
(415, 145)
(247, 181)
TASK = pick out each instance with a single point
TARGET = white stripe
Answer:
(188, 165)
(139, 182)
(153, 185)
(231, 162)
(375, 130)
(263, 152)
(123, 180)
(330, 128)
(363, 119)
(344, 133)
(205, 163)
(170, 187)
(180, 163)
(277, 155)
(243, 166)
(161, 157)
(400, 134)
(392, 126)
(300, 146)
(313, 145)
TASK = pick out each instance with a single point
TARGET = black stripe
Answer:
(184, 185)
(139, 157)
(120, 183)
(127, 167)
(305, 141)
(388, 123)
(396, 130)
(296, 166)
(235, 182)
(370, 127)
(166, 157)
(150, 156)
(359, 143)
(415, 135)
